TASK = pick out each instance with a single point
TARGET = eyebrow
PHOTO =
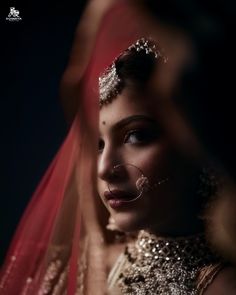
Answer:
(131, 119)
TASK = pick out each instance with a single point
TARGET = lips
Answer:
(118, 195)
(117, 198)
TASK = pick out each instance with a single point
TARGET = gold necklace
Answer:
(164, 265)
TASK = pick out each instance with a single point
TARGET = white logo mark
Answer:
(13, 15)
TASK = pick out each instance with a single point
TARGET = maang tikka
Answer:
(110, 84)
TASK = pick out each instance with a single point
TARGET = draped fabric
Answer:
(59, 244)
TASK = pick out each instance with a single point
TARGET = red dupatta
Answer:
(64, 223)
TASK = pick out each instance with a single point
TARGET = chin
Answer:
(130, 222)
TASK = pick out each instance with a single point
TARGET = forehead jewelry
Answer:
(147, 45)
(110, 83)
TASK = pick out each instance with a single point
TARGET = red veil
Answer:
(59, 245)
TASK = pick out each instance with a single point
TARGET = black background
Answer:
(34, 54)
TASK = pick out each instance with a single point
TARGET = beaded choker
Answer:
(164, 266)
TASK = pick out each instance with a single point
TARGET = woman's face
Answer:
(131, 136)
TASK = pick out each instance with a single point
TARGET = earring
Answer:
(111, 224)
(119, 237)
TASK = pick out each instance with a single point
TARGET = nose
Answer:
(108, 159)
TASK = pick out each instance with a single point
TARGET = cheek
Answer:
(152, 160)
(100, 187)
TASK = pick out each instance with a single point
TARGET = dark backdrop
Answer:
(34, 54)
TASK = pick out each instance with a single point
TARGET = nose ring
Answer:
(136, 187)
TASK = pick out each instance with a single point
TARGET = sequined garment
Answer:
(164, 266)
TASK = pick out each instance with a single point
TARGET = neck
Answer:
(185, 226)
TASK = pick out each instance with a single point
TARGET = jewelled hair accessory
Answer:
(147, 45)
(110, 83)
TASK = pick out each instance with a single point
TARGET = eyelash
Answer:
(141, 136)
(145, 134)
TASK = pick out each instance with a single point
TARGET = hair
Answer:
(135, 68)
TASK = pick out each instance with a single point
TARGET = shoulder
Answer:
(223, 283)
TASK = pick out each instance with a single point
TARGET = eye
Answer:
(101, 145)
(140, 136)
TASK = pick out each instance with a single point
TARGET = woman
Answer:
(148, 186)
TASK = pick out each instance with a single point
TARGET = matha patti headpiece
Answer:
(110, 84)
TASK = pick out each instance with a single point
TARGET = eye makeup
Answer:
(141, 135)
(138, 130)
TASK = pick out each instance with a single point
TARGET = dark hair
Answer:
(135, 68)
